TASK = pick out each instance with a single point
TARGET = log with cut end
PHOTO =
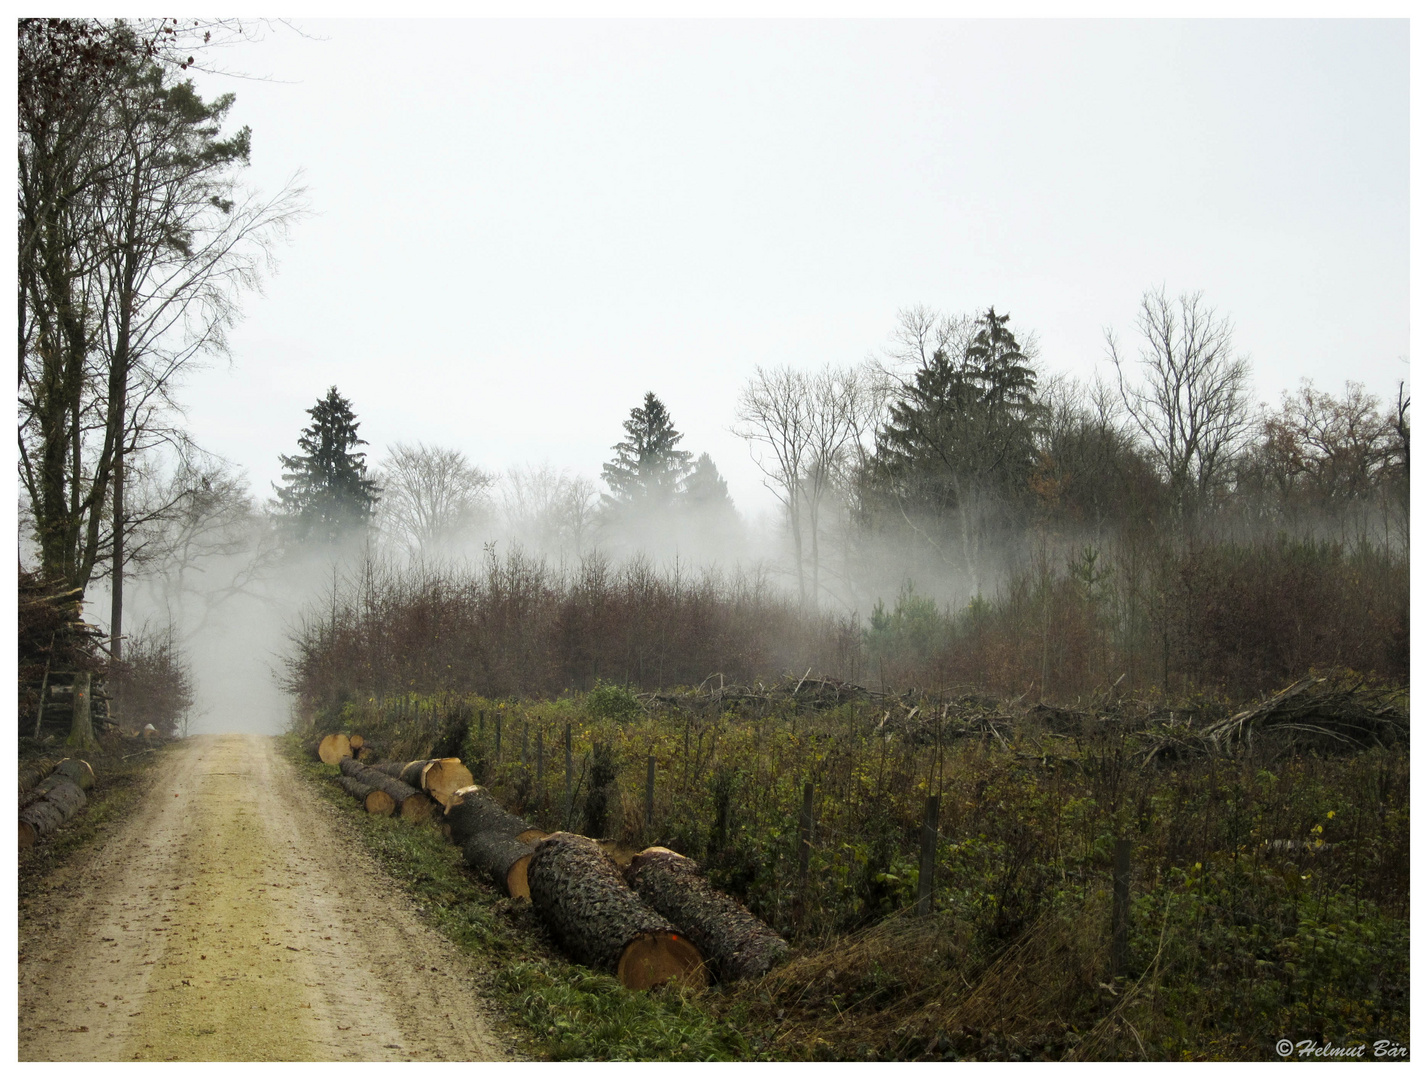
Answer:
(581, 895)
(369, 754)
(373, 800)
(443, 777)
(355, 743)
(77, 772)
(503, 859)
(394, 769)
(60, 803)
(411, 804)
(330, 749)
(738, 944)
(473, 812)
(411, 772)
(33, 773)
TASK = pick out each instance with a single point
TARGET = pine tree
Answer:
(328, 493)
(647, 470)
(705, 489)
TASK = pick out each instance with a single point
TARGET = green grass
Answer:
(561, 1011)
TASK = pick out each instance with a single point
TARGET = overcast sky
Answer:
(519, 228)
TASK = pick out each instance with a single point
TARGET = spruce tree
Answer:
(328, 493)
(647, 469)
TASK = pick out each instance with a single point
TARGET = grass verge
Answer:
(563, 1012)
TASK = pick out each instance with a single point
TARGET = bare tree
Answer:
(1191, 401)
(430, 495)
(775, 417)
(550, 510)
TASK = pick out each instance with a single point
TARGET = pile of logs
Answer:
(51, 792)
(658, 922)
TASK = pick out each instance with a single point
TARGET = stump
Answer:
(330, 749)
(737, 943)
(476, 813)
(600, 920)
(40, 818)
(502, 859)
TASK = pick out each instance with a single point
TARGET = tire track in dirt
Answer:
(231, 918)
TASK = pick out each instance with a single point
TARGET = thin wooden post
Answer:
(1120, 909)
(540, 756)
(569, 776)
(525, 743)
(805, 834)
(498, 737)
(649, 793)
(481, 726)
(928, 868)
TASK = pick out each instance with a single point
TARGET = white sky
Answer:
(522, 227)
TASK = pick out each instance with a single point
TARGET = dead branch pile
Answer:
(1330, 713)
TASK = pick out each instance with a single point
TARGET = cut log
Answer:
(501, 859)
(76, 771)
(368, 754)
(442, 778)
(43, 817)
(373, 800)
(34, 772)
(411, 804)
(411, 772)
(737, 943)
(356, 742)
(330, 749)
(602, 922)
(479, 814)
(394, 769)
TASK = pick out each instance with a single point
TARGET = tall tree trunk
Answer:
(81, 730)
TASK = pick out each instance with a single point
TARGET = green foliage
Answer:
(610, 701)
(647, 469)
(327, 492)
(915, 627)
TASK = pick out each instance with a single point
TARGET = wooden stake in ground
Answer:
(600, 920)
(738, 944)
(330, 749)
(60, 803)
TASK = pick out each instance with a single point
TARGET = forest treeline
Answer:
(950, 509)
(951, 517)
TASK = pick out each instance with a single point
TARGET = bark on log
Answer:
(330, 749)
(373, 800)
(478, 814)
(502, 859)
(411, 772)
(411, 804)
(394, 769)
(33, 773)
(737, 943)
(602, 922)
(41, 818)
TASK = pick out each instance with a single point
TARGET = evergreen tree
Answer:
(705, 489)
(647, 470)
(328, 493)
(960, 442)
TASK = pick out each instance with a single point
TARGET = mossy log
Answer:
(473, 812)
(77, 772)
(374, 800)
(330, 749)
(503, 859)
(598, 919)
(60, 803)
(411, 804)
(34, 772)
(737, 943)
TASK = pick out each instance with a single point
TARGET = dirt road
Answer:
(232, 917)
